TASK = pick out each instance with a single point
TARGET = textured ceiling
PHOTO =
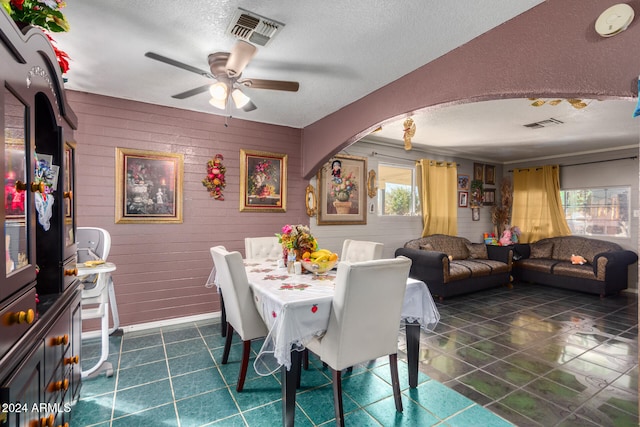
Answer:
(338, 51)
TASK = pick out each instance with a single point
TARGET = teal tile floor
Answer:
(529, 356)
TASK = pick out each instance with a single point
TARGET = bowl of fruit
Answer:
(319, 262)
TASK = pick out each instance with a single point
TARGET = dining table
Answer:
(296, 308)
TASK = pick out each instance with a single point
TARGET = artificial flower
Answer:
(215, 181)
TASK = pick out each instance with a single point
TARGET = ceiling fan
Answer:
(227, 68)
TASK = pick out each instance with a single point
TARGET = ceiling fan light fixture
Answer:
(239, 98)
(219, 91)
(218, 103)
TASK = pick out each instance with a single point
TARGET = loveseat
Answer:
(548, 262)
(451, 265)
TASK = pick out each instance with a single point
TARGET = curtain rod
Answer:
(374, 153)
(595, 161)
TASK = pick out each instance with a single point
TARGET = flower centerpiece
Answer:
(215, 181)
(42, 13)
(45, 14)
(260, 177)
(297, 238)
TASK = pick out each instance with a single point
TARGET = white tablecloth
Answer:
(296, 308)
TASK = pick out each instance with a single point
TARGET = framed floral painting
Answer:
(342, 191)
(263, 181)
(148, 186)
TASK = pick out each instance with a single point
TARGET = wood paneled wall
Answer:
(162, 268)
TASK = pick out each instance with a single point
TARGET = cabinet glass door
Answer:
(15, 188)
(68, 190)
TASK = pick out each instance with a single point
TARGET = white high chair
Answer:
(98, 294)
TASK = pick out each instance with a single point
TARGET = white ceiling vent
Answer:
(253, 28)
(543, 123)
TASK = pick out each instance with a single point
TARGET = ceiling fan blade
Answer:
(239, 57)
(249, 107)
(270, 84)
(178, 64)
(192, 92)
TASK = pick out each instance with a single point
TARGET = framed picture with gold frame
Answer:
(263, 181)
(148, 186)
(342, 191)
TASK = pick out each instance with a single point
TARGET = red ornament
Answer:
(314, 308)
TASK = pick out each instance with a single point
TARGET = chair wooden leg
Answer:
(227, 344)
(246, 350)
(337, 397)
(223, 317)
(395, 381)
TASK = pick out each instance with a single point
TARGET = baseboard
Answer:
(157, 324)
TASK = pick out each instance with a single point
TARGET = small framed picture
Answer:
(489, 174)
(489, 197)
(463, 182)
(263, 181)
(475, 214)
(463, 199)
(478, 171)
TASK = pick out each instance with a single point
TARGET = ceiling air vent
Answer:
(543, 123)
(253, 28)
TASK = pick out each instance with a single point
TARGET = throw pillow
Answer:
(427, 247)
(541, 250)
(477, 250)
(578, 259)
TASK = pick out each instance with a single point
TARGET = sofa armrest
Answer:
(427, 266)
(615, 260)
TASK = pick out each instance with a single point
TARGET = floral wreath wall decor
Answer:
(215, 181)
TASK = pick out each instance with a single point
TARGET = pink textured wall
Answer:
(550, 50)
(162, 268)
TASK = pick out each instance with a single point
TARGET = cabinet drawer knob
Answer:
(59, 385)
(71, 272)
(47, 421)
(60, 340)
(74, 360)
(20, 317)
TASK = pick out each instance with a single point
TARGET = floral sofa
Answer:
(549, 262)
(451, 265)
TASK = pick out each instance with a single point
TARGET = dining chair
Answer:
(364, 321)
(360, 250)
(262, 248)
(242, 315)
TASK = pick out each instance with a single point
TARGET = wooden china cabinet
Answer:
(40, 321)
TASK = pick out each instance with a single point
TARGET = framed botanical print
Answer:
(489, 174)
(148, 186)
(342, 194)
(478, 171)
(263, 181)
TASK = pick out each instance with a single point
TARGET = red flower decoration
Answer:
(314, 308)
(215, 181)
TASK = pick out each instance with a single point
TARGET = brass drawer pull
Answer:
(20, 317)
(60, 340)
(71, 272)
(74, 360)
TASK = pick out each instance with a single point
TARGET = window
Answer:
(597, 211)
(397, 191)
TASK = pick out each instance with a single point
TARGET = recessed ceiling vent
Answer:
(543, 124)
(253, 28)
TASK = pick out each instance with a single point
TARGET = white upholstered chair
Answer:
(262, 248)
(364, 321)
(242, 315)
(360, 250)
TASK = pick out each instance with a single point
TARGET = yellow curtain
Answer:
(537, 208)
(438, 184)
